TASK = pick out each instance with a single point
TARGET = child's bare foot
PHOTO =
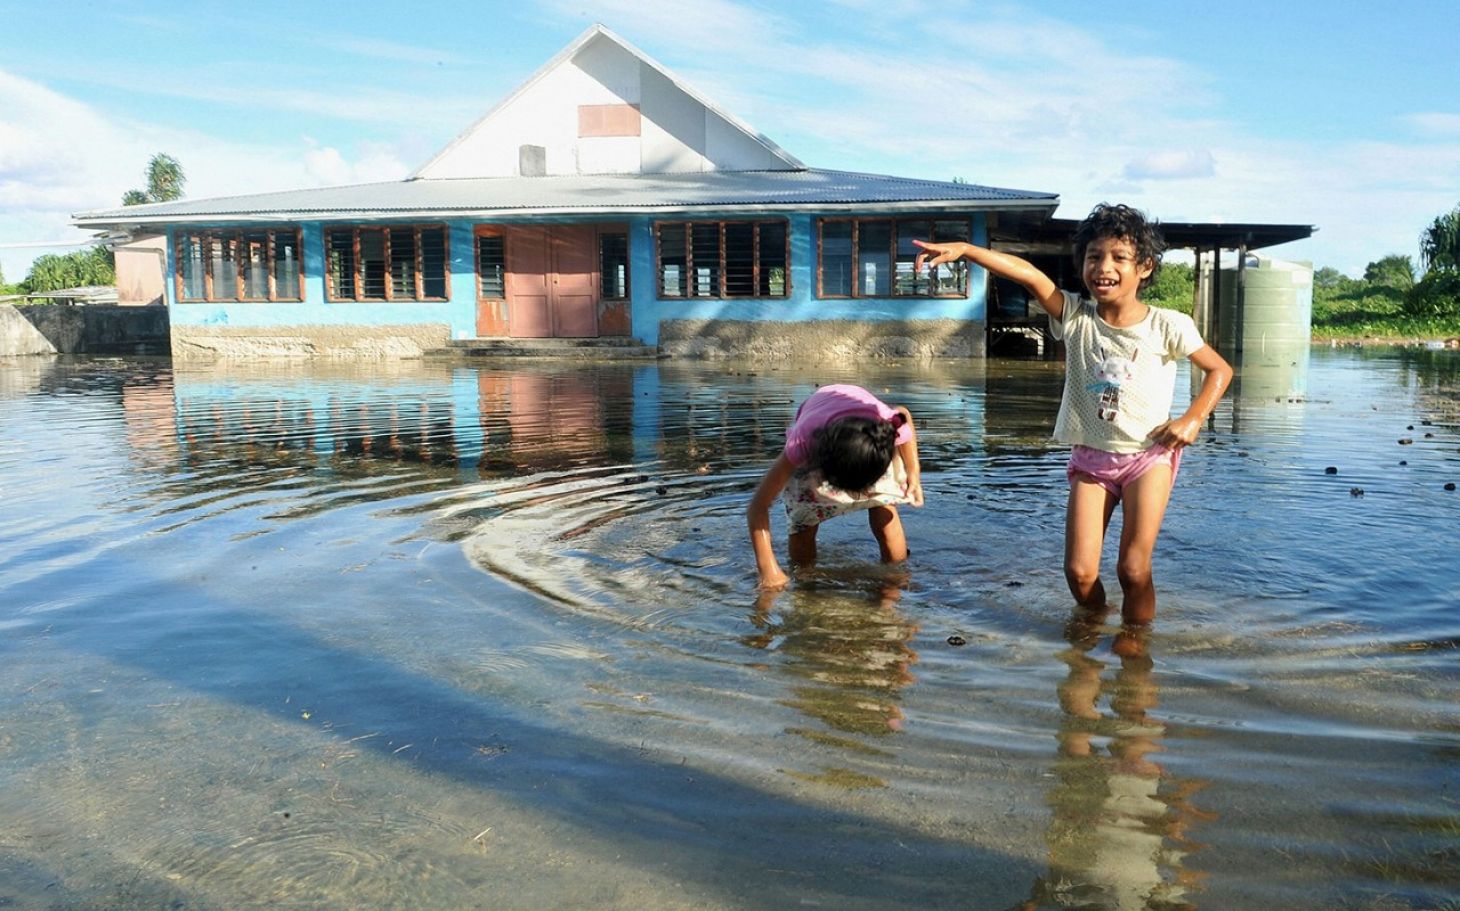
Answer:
(1130, 642)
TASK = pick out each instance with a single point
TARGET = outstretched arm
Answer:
(758, 518)
(1183, 431)
(909, 453)
(1004, 265)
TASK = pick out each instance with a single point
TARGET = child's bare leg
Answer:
(886, 527)
(1087, 515)
(1144, 506)
(802, 547)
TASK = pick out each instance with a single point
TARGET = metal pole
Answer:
(1216, 340)
(1241, 297)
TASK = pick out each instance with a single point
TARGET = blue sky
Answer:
(1344, 115)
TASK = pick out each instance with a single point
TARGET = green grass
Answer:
(1365, 310)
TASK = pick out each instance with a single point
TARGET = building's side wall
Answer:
(800, 324)
(141, 266)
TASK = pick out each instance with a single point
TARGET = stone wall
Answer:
(82, 329)
(822, 340)
(200, 343)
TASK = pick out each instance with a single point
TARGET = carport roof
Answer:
(1059, 232)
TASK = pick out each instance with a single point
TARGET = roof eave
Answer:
(902, 207)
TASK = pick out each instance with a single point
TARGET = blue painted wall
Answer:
(647, 310)
(801, 305)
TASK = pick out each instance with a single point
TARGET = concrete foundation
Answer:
(822, 340)
(201, 343)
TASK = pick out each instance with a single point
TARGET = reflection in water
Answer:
(1267, 386)
(1118, 836)
(540, 421)
(848, 654)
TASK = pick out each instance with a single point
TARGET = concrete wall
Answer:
(839, 341)
(338, 342)
(88, 329)
(18, 336)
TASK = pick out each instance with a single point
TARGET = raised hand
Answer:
(937, 254)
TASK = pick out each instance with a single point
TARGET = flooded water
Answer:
(421, 637)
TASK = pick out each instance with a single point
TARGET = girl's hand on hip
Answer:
(1176, 433)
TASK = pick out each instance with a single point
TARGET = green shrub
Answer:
(1437, 294)
(1173, 288)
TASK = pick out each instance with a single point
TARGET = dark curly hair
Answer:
(1121, 221)
(853, 452)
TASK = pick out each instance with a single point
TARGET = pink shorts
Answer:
(1114, 470)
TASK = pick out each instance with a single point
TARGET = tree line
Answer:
(97, 265)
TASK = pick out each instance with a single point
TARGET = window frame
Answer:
(616, 230)
(892, 253)
(688, 227)
(388, 291)
(235, 239)
(499, 232)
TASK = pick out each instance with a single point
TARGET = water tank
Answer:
(1267, 341)
(1277, 311)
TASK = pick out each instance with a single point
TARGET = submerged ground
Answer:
(419, 637)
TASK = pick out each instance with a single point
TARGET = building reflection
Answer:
(540, 420)
(846, 653)
(1120, 828)
(462, 424)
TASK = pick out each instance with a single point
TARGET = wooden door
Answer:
(529, 283)
(552, 281)
(574, 280)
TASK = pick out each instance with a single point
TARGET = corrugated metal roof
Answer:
(714, 191)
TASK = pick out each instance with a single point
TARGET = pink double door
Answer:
(552, 281)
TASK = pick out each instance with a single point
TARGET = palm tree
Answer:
(164, 182)
(1439, 245)
(164, 178)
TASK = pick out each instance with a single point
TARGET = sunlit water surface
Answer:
(409, 636)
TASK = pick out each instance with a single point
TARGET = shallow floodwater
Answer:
(420, 637)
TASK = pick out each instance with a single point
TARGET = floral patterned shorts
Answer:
(810, 500)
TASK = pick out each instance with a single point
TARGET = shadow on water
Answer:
(723, 833)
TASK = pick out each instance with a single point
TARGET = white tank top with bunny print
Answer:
(1119, 381)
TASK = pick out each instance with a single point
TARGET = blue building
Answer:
(603, 199)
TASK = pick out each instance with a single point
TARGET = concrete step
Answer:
(614, 348)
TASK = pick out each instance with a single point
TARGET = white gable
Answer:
(538, 130)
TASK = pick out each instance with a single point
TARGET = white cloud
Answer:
(59, 157)
(326, 165)
(1002, 96)
(1172, 165)
(1434, 123)
(898, 86)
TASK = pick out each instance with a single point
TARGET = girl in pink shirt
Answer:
(845, 451)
